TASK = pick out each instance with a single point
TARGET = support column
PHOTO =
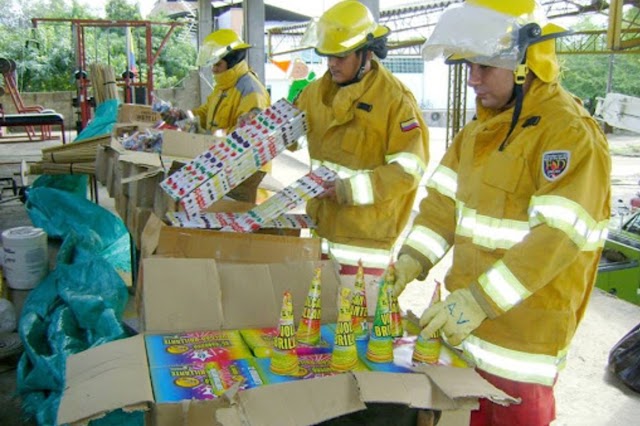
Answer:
(205, 27)
(374, 7)
(254, 35)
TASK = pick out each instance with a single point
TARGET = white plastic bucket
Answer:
(26, 258)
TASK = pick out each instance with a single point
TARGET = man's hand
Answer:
(457, 316)
(329, 190)
(246, 118)
(407, 270)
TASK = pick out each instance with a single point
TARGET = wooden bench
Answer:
(44, 118)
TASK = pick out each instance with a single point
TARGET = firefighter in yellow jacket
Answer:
(523, 197)
(366, 126)
(238, 95)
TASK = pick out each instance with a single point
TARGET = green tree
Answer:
(121, 10)
(45, 56)
(587, 76)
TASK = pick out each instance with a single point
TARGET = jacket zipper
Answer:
(215, 110)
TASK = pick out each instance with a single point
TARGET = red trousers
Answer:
(538, 406)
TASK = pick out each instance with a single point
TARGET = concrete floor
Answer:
(586, 393)
(12, 214)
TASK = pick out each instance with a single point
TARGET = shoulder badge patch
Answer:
(410, 124)
(554, 164)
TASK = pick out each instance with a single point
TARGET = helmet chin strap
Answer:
(528, 35)
(361, 69)
(520, 75)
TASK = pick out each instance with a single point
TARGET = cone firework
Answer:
(428, 350)
(394, 308)
(359, 312)
(380, 346)
(309, 327)
(284, 360)
(345, 353)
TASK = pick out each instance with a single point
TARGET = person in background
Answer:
(238, 95)
(365, 125)
(522, 197)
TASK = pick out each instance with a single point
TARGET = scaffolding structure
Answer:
(412, 24)
(83, 83)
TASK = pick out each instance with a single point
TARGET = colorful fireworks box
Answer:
(202, 380)
(192, 347)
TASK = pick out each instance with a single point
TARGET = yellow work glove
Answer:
(457, 316)
(407, 270)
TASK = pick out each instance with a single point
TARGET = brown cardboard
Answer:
(137, 219)
(169, 241)
(381, 387)
(106, 164)
(172, 304)
(307, 402)
(133, 113)
(122, 367)
(116, 374)
(219, 296)
(459, 383)
(185, 145)
(121, 131)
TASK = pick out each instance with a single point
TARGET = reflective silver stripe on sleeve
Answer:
(361, 189)
(489, 232)
(350, 255)
(569, 217)
(427, 242)
(502, 286)
(514, 365)
(445, 181)
(410, 163)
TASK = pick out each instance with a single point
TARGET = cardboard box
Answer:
(133, 113)
(185, 145)
(161, 239)
(227, 296)
(124, 130)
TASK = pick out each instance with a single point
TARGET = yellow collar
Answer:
(228, 78)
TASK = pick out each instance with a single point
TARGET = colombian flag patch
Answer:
(410, 124)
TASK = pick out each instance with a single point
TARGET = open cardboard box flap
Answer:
(105, 378)
(185, 146)
(172, 241)
(230, 296)
(463, 383)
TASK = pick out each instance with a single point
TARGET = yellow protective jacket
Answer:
(237, 91)
(372, 134)
(527, 224)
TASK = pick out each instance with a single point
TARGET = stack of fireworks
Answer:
(302, 190)
(214, 173)
(352, 331)
(285, 359)
(222, 220)
(269, 213)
